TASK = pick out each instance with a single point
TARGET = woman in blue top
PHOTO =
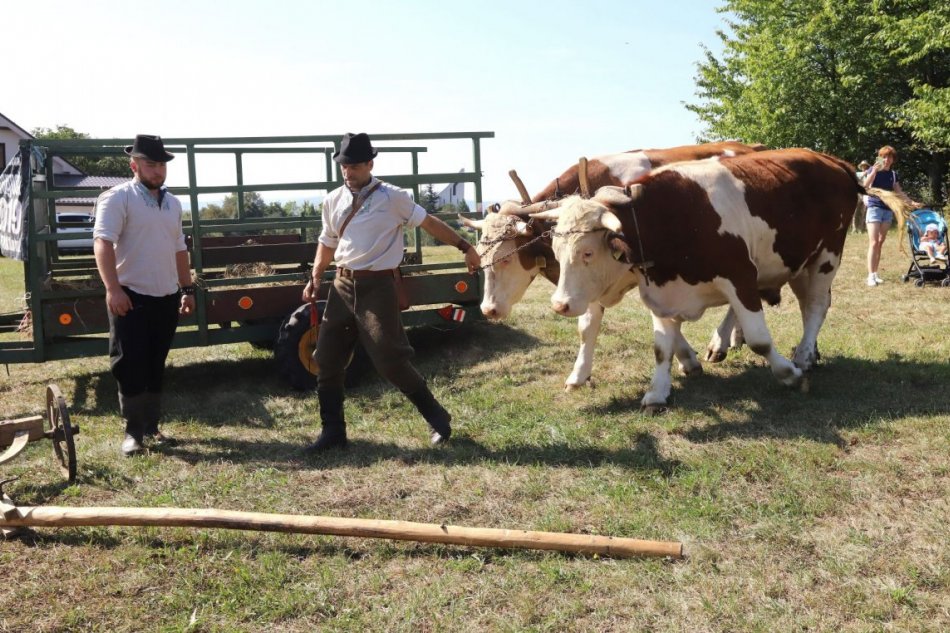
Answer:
(879, 216)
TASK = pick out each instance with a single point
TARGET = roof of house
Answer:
(87, 182)
(7, 122)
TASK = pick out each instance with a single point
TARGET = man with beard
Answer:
(142, 259)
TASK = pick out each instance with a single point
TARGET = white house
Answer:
(65, 174)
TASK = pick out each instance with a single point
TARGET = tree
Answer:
(91, 165)
(841, 77)
(430, 199)
(254, 205)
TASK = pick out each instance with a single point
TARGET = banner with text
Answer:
(13, 206)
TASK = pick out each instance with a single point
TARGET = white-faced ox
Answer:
(518, 250)
(708, 233)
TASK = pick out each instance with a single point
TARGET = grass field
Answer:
(825, 511)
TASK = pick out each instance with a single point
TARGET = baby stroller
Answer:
(921, 270)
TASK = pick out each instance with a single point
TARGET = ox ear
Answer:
(611, 222)
(619, 248)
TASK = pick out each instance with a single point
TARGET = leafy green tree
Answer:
(429, 199)
(841, 77)
(213, 212)
(309, 209)
(92, 165)
(254, 205)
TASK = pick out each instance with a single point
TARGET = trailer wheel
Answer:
(293, 350)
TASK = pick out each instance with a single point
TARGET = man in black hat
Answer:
(362, 232)
(142, 259)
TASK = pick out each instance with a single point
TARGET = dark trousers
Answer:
(140, 340)
(365, 310)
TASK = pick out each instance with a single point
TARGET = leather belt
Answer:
(349, 273)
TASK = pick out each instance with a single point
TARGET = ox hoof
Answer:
(804, 387)
(695, 370)
(653, 409)
(571, 385)
(715, 356)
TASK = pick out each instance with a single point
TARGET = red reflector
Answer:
(461, 287)
(65, 319)
(451, 313)
(245, 303)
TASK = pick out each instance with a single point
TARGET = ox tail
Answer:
(900, 204)
(849, 169)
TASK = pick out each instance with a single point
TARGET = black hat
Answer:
(151, 147)
(355, 148)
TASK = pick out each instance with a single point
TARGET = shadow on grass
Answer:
(326, 546)
(844, 393)
(211, 391)
(643, 455)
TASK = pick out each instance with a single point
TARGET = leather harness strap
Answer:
(357, 203)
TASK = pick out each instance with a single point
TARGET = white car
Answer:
(75, 223)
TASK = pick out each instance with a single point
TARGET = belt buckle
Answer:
(346, 273)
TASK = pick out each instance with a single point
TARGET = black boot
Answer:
(333, 433)
(434, 413)
(133, 410)
(153, 413)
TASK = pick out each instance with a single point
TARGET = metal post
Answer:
(200, 306)
(239, 164)
(37, 253)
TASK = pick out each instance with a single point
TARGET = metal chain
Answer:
(499, 240)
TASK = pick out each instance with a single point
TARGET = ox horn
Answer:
(550, 214)
(478, 225)
(582, 174)
(611, 222)
(547, 210)
(525, 198)
(540, 207)
(510, 207)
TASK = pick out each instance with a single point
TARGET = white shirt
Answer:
(146, 237)
(373, 238)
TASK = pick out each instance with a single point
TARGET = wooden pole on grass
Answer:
(55, 516)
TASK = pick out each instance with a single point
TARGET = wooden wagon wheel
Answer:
(61, 431)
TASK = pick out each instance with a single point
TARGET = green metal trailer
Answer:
(249, 271)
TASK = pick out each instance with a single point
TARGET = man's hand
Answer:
(187, 304)
(473, 260)
(310, 292)
(118, 302)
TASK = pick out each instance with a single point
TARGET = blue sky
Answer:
(554, 80)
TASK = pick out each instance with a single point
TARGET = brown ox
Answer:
(518, 251)
(708, 233)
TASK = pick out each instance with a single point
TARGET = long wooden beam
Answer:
(56, 516)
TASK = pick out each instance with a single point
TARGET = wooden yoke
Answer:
(522, 190)
(39, 516)
(582, 175)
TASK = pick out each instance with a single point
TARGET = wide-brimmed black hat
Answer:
(355, 148)
(151, 147)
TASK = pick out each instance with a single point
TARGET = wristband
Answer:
(187, 290)
(463, 245)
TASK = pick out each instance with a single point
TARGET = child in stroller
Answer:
(927, 236)
(932, 243)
